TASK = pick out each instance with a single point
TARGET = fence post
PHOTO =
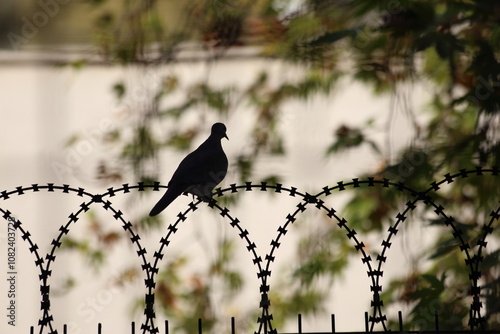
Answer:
(400, 318)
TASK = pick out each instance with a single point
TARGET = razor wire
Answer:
(263, 262)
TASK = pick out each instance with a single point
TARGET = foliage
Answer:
(450, 45)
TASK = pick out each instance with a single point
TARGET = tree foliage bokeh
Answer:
(450, 46)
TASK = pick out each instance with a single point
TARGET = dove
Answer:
(199, 172)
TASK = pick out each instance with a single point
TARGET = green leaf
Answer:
(332, 37)
(491, 260)
(445, 247)
(347, 138)
(447, 45)
(119, 90)
(436, 284)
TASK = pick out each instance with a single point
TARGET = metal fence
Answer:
(165, 329)
(374, 266)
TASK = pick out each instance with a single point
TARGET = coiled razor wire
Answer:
(263, 264)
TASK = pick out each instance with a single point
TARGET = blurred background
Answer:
(98, 93)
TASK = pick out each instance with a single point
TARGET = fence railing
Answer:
(165, 329)
(262, 262)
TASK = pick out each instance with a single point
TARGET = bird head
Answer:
(219, 130)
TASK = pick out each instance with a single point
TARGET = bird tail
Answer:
(165, 201)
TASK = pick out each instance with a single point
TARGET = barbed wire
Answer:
(263, 263)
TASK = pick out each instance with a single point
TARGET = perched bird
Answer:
(199, 172)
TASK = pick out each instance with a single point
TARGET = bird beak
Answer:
(225, 136)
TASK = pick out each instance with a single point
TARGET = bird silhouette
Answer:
(199, 172)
